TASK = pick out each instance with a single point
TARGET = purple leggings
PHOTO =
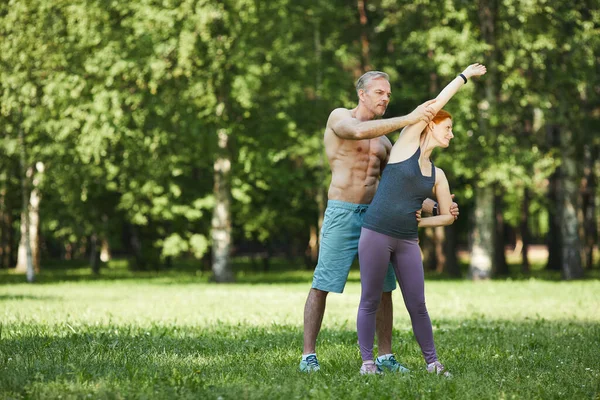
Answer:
(375, 250)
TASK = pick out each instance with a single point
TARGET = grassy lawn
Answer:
(177, 336)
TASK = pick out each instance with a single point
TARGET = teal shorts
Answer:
(339, 246)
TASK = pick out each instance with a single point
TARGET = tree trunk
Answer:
(221, 220)
(572, 267)
(483, 236)
(5, 228)
(28, 257)
(554, 239)
(440, 254)
(525, 237)
(482, 241)
(135, 242)
(105, 254)
(452, 268)
(94, 254)
(313, 246)
(428, 248)
(588, 196)
(320, 196)
(500, 266)
(364, 37)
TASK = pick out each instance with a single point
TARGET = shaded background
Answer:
(189, 133)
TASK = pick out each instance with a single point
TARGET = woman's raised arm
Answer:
(446, 94)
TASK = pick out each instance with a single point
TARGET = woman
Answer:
(390, 228)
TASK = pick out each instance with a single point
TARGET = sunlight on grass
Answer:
(183, 338)
(262, 305)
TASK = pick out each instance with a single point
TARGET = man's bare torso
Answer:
(356, 166)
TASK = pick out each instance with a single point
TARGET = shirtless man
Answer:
(357, 151)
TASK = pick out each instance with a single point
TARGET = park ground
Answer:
(173, 334)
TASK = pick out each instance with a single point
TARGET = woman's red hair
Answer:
(439, 117)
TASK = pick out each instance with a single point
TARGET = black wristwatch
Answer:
(434, 210)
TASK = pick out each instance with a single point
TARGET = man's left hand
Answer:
(454, 209)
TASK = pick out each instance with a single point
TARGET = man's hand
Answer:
(427, 209)
(454, 209)
(423, 113)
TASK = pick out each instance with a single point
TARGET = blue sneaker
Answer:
(311, 364)
(389, 363)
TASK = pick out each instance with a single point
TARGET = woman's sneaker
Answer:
(439, 369)
(370, 369)
(310, 364)
(389, 363)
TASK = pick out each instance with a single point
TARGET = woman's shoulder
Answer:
(440, 175)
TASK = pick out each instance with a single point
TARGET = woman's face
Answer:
(442, 132)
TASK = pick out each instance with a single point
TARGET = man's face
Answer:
(376, 96)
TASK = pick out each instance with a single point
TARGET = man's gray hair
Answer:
(367, 77)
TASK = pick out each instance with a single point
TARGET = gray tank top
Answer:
(400, 194)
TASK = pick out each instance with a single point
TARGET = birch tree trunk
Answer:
(105, 253)
(33, 221)
(221, 220)
(482, 241)
(29, 211)
(483, 234)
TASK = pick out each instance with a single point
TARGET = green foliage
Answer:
(122, 102)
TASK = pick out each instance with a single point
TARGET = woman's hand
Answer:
(474, 70)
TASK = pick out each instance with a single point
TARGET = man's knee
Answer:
(386, 297)
(318, 294)
(315, 302)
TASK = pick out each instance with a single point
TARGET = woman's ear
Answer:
(431, 125)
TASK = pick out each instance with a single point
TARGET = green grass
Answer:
(176, 336)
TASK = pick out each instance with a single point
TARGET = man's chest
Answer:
(369, 148)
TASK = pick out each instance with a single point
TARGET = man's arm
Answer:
(350, 128)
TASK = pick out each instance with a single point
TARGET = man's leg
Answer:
(314, 309)
(384, 324)
(337, 250)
